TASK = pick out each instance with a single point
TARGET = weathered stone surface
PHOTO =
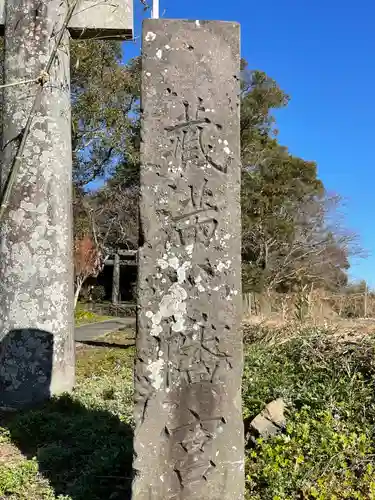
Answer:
(102, 18)
(26, 372)
(189, 432)
(36, 290)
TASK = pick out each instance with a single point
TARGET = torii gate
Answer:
(36, 264)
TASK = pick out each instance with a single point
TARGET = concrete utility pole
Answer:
(36, 264)
(155, 9)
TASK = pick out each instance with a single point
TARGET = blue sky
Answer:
(322, 53)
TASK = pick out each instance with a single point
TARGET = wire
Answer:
(34, 80)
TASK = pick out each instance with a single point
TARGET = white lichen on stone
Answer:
(150, 36)
(198, 282)
(189, 249)
(218, 287)
(162, 263)
(156, 373)
(172, 303)
(223, 265)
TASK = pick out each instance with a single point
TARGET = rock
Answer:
(268, 423)
(188, 417)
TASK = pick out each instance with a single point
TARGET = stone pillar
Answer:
(189, 431)
(116, 279)
(36, 272)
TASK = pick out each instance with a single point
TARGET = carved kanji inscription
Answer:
(188, 433)
(194, 356)
(198, 220)
(193, 140)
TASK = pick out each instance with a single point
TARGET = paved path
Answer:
(94, 330)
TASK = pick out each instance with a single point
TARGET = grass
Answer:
(80, 447)
(328, 450)
(125, 336)
(83, 317)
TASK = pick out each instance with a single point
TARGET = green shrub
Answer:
(22, 481)
(98, 293)
(82, 317)
(327, 451)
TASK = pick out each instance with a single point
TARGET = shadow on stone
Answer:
(84, 453)
(25, 367)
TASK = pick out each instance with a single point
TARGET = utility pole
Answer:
(36, 260)
(155, 9)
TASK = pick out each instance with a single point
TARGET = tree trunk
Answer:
(77, 292)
